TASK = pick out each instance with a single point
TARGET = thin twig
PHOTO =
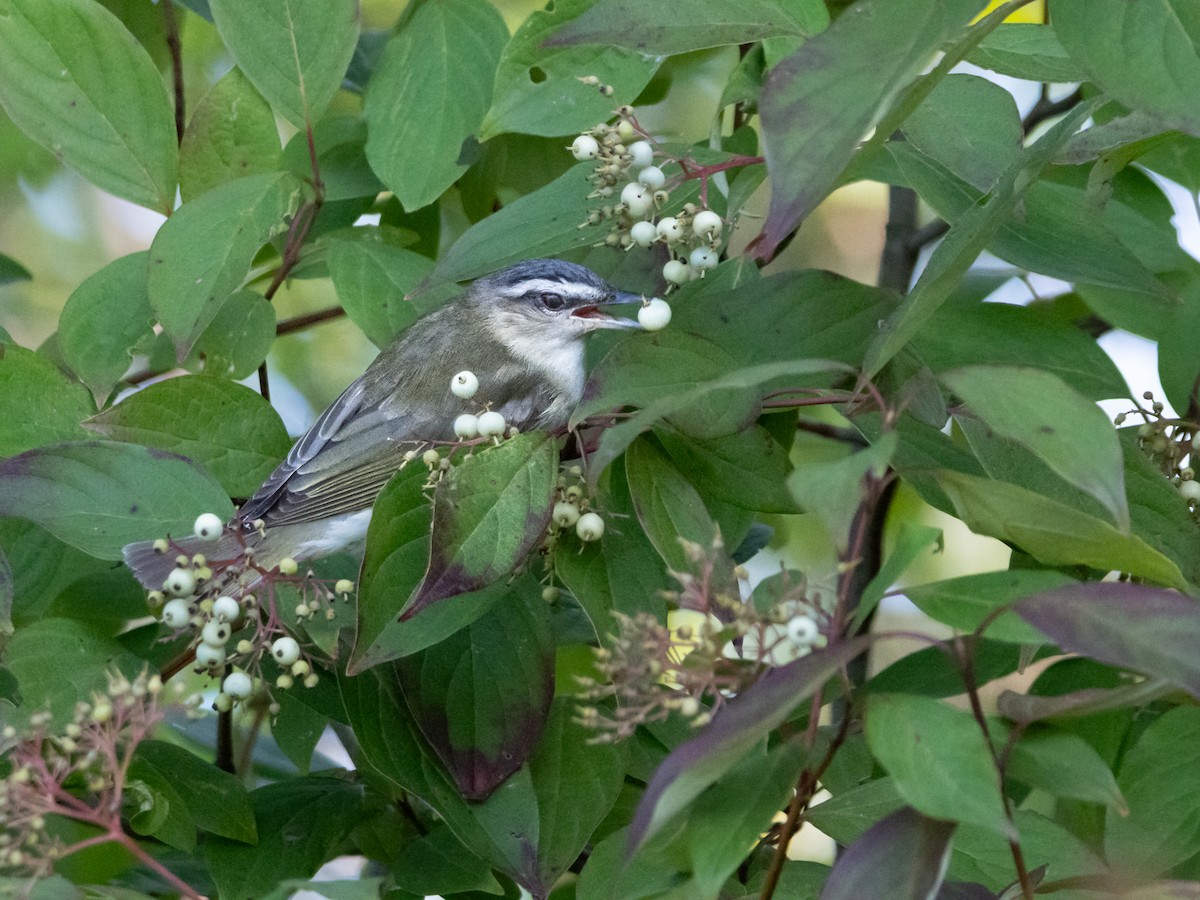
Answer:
(175, 46)
(299, 323)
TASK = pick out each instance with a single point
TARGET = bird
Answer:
(520, 330)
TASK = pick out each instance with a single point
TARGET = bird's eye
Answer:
(552, 301)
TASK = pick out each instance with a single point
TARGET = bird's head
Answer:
(548, 299)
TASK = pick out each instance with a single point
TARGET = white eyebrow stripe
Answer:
(574, 288)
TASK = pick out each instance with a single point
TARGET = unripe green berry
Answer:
(550, 594)
(222, 703)
(288, 566)
(343, 586)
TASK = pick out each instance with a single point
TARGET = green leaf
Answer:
(965, 602)
(984, 857)
(819, 102)
(734, 731)
(1051, 531)
(537, 87)
(488, 513)
(100, 496)
(1029, 51)
(730, 815)
(1146, 57)
(436, 863)
(832, 490)
(849, 813)
(938, 758)
(226, 427)
(216, 801)
(58, 662)
(231, 134)
(41, 567)
(668, 507)
(481, 696)
(294, 51)
(687, 25)
(104, 319)
(577, 783)
(747, 469)
(429, 95)
(1072, 435)
(39, 404)
(299, 823)
(202, 253)
(1004, 334)
(239, 337)
(1065, 765)
(77, 82)
(903, 856)
(966, 240)
(372, 278)
(539, 224)
(1163, 792)
(12, 271)
(913, 542)
(1129, 625)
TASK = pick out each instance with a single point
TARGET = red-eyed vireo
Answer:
(519, 330)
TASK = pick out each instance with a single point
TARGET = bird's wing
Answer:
(342, 463)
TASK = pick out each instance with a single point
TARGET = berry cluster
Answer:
(1171, 444)
(79, 771)
(713, 647)
(626, 171)
(487, 423)
(233, 629)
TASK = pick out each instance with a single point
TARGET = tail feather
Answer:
(151, 567)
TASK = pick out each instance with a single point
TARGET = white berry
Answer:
(343, 586)
(177, 613)
(707, 224)
(655, 315)
(652, 177)
(464, 385)
(210, 657)
(180, 583)
(703, 258)
(215, 634)
(227, 609)
(237, 685)
(585, 147)
(642, 153)
(676, 271)
(589, 527)
(285, 650)
(565, 514)
(208, 527)
(1190, 489)
(638, 199)
(670, 230)
(802, 631)
(466, 426)
(491, 424)
(643, 233)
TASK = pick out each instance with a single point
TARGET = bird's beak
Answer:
(598, 318)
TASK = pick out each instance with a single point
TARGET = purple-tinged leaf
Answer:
(903, 857)
(481, 696)
(1147, 629)
(488, 513)
(819, 102)
(747, 719)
